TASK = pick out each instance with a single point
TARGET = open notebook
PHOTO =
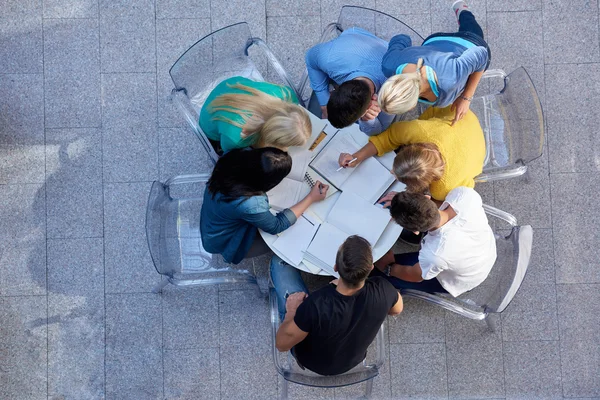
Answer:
(352, 215)
(369, 179)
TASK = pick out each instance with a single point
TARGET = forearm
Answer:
(302, 206)
(284, 341)
(369, 150)
(408, 273)
(472, 83)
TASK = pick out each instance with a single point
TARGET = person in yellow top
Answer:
(432, 154)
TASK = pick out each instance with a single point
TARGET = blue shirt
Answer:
(452, 59)
(355, 53)
(229, 228)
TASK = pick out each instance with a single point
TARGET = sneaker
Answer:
(458, 7)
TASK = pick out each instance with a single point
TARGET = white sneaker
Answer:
(458, 7)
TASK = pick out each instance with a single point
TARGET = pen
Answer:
(350, 162)
(320, 187)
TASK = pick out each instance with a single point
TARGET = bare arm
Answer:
(461, 105)
(288, 334)
(398, 307)
(369, 150)
(409, 273)
(317, 193)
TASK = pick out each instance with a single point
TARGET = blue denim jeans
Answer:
(429, 286)
(286, 280)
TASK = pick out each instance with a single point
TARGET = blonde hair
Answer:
(278, 122)
(400, 92)
(418, 165)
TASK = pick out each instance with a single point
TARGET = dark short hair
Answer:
(414, 211)
(354, 260)
(249, 172)
(348, 103)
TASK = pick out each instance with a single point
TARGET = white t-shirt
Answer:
(461, 253)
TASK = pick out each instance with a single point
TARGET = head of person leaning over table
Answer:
(330, 330)
(235, 203)
(432, 154)
(241, 112)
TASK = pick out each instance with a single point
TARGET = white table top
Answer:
(385, 242)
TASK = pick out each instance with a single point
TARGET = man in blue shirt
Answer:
(353, 62)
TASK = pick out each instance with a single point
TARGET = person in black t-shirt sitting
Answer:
(329, 331)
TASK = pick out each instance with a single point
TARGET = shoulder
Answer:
(464, 198)
(252, 204)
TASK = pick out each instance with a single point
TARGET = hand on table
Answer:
(293, 301)
(386, 201)
(461, 106)
(373, 110)
(345, 159)
(318, 192)
(324, 112)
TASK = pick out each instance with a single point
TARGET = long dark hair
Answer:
(249, 172)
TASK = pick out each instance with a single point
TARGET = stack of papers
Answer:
(352, 215)
(293, 187)
(294, 241)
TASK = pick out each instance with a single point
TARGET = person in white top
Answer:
(458, 252)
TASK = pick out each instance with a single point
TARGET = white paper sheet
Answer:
(294, 241)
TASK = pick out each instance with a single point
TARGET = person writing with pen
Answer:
(432, 155)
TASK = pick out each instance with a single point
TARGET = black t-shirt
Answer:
(341, 328)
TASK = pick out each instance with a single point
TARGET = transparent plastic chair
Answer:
(380, 24)
(173, 234)
(503, 282)
(290, 371)
(220, 55)
(513, 124)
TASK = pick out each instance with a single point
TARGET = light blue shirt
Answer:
(355, 53)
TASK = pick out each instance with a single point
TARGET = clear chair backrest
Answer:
(215, 57)
(512, 261)
(514, 122)
(287, 366)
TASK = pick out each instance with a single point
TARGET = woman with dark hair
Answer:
(236, 205)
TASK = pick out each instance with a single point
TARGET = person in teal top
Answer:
(241, 112)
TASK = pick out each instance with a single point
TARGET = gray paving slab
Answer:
(22, 109)
(234, 11)
(444, 20)
(560, 45)
(420, 23)
(76, 267)
(575, 260)
(243, 319)
(579, 312)
(426, 378)
(21, 51)
(406, 7)
(23, 265)
(128, 44)
(516, 38)
(514, 5)
(301, 392)
(180, 152)
(76, 345)
(475, 369)
(135, 374)
(182, 9)
(129, 100)
(22, 164)
(419, 322)
(74, 183)
(580, 364)
(192, 374)
(190, 318)
(248, 371)
(568, 155)
(130, 154)
(330, 9)
(532, 370)
(71, 45)
(23, 339)
(23, 211)
(532, 314)
(70, 8)
(127, 8)
(291, 54)
(20, 8)
(173, 38)
(128, 265)
(293, 8)
(72, 100)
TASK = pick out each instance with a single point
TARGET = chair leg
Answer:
(369, 388)
(158, 288)
(284, 388)
(490, 323)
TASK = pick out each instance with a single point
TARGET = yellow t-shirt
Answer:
(462, 146)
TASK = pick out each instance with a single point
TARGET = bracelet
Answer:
(466, 98)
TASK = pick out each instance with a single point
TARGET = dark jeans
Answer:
(429, 286)
(467, 23)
